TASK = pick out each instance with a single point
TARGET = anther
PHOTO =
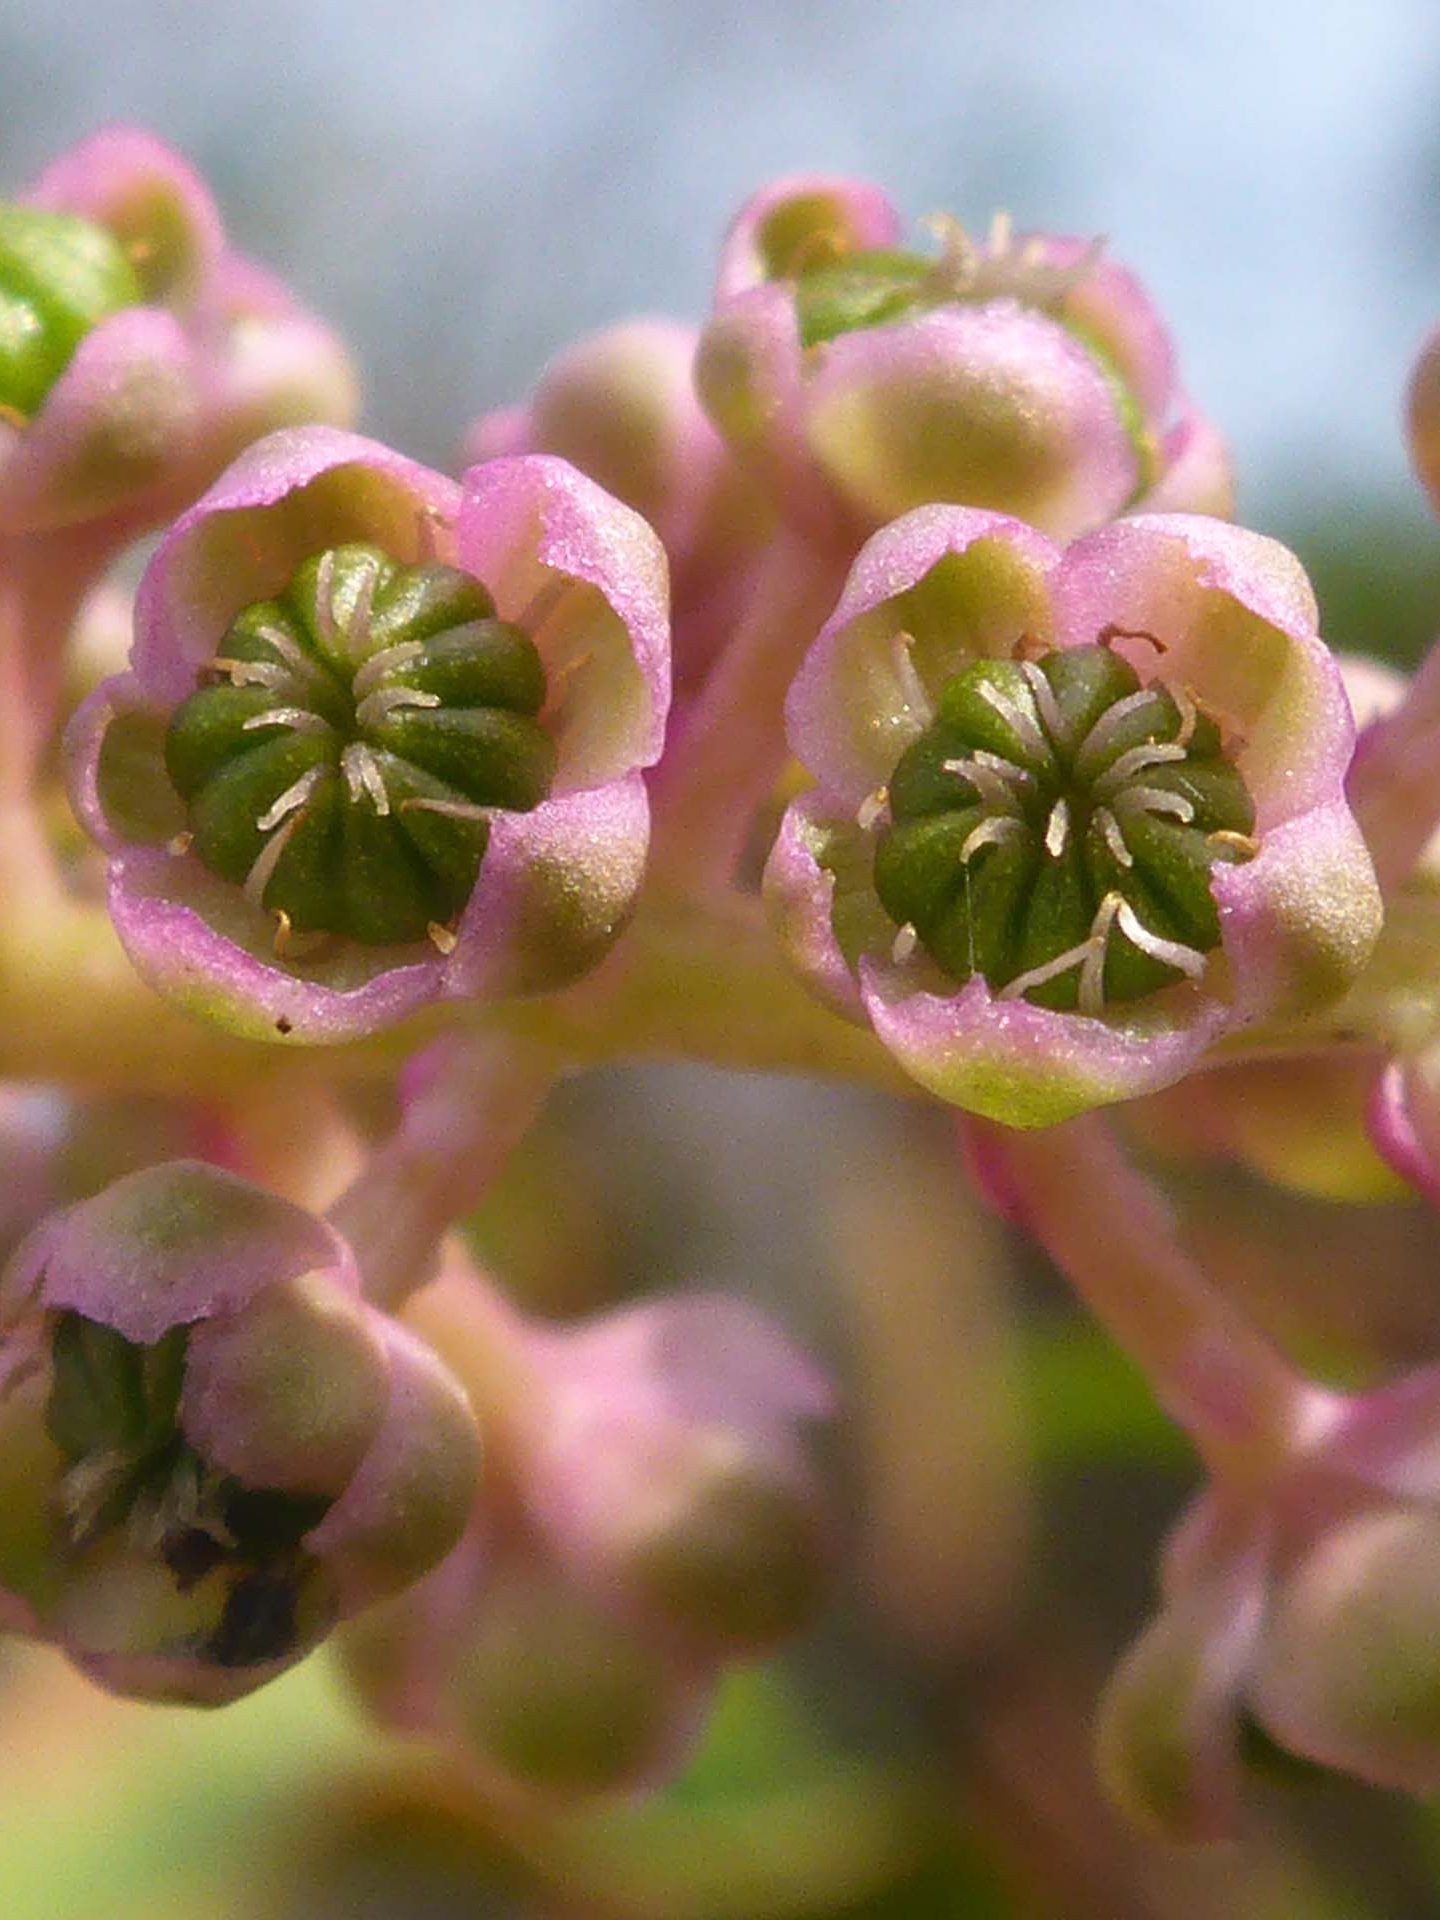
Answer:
(1245, 843)
(904, 944)
(871, 808)
(180, 843)
(443, 939)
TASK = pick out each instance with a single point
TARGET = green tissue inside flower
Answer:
(1054, 829)
(346, 746)
(59, 277)
(132, 1485)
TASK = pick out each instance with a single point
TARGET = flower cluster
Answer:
(1003, 766)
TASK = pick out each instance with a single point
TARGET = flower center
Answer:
(59, 277)
(1054, 828)
(112, 1412)
(351, 738)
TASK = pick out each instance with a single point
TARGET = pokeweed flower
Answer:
(213, 1449)
(138, 353)
(650, 1514)
(381, 737)
(621, 406)
(1027, 374)
(1078, 815)
(1300, 1624)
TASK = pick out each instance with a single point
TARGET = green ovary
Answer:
(342, 756)
(59, 277)
(1054, 829)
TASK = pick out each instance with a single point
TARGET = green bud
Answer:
(1054, 830)
(59, 277)
(344, 750)
(558, 1693)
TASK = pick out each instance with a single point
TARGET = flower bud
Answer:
(215, 1449)
(668, 1472)
(59, 276)
(621, 406)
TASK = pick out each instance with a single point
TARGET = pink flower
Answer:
(306, 837)
(213, 1449)
(1078, 815)
(1025, 374)
(147, 352)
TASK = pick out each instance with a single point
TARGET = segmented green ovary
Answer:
(349, 742)
(1054, 829)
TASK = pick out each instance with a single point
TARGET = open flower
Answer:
(1026, 374)
(381, 738)
(1300, 1623)
(211, 1448)
(137, 352)
(1078, 815)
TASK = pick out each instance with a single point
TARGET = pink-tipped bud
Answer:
(669, 1471)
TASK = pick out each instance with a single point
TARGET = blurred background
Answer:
(461, 189)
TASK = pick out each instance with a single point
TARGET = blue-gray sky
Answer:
(462, 185)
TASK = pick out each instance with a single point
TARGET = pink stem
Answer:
(1110, 1231)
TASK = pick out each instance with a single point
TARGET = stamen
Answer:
(1155, 753)
(386, 661)
(871, 808)
(1114, 840)
(543, 603)
(1245, 843)
(1023, 725)
(428, 519)
(362, 775)
(1091, 997)
(373, 709)
(181, 843)
(913, 690)
(959, 263)
(991, 778)
(452, 809)
(358, 636)
(281, 942)
(444, 939)
(258, 877)
(904, 944)
(1189, 715)
(1001, 232)
(991, 833)
(298, 719)
(1045, 700)
(1106, 727)
(1154, 800)
(291, 652)
(325, 597)
(295, 795)
(248, 673)
(1171, 953)
(1057, 829)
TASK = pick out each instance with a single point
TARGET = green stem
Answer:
(1109, 1230)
